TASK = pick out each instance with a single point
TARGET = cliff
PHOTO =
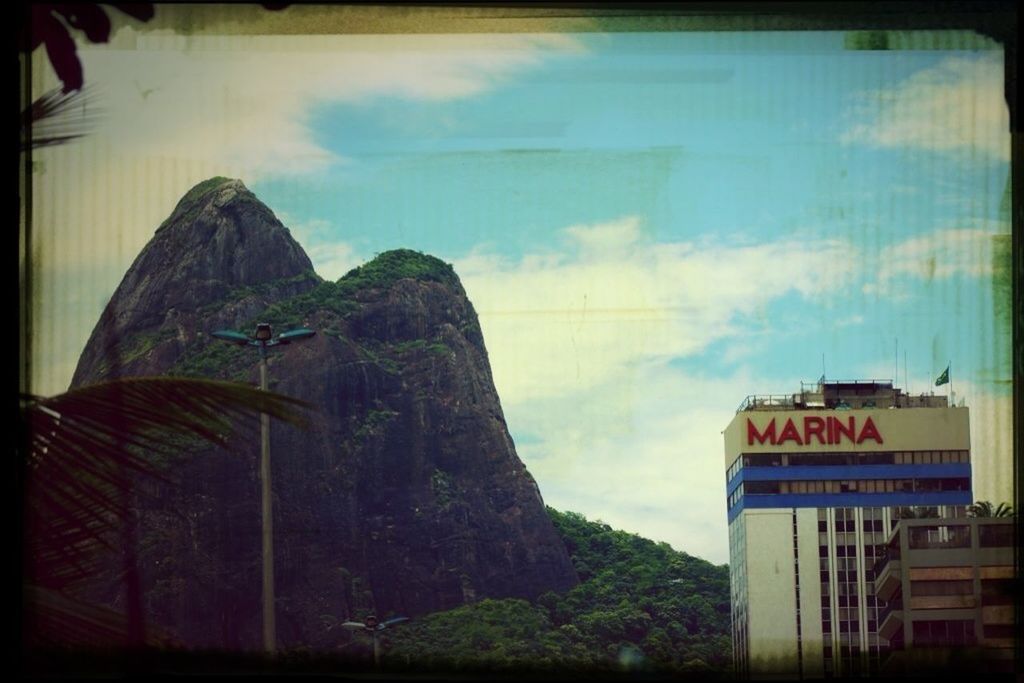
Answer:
(406, 497)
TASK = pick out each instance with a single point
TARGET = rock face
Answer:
(218, 240)
(407, 495)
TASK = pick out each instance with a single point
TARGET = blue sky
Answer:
(650, 225)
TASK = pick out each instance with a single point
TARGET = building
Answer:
(948, 590)
(815, 483)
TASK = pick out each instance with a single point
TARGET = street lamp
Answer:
(374, 627)
(263, 338)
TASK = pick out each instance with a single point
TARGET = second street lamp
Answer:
(263, 338)
(374, 627)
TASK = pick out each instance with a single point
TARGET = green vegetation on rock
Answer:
(214, 360)
(202, 188)
(640, 606)
(439, 348)
(142, 344)
(375, 419)
(391, 266)
(292, 311)
(188, 206)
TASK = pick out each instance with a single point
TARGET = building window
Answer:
(999, 631)
(918, 588)
(939, 536)
(997, 591)
(995, 535)
(943, 633)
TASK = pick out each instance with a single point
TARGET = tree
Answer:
(984, 508)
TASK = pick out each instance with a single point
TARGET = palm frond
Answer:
(56, 117)
(61, 622)
(89, 447)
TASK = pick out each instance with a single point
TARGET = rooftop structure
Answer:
(843, 395)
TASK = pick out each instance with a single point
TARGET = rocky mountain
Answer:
(406, 497)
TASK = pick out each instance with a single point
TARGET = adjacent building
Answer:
(815, 483)
(948, 588)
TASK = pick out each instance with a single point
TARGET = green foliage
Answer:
(383, 362)
(672, 606)
(215, 360)
(202, 188)
(189, 205)
(443, 488)
(391, 266)
(142, 344)
(439, 348)
(291, 312)
(491, 634)
(373, 422)
(984, 508)
(641, 606)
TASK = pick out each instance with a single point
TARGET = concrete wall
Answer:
(810, 592)
(770, 592)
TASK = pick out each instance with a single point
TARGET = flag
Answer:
(943, 378)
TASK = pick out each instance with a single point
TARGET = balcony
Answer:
(889, 581)
(890, 621)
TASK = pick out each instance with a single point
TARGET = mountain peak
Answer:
(218, 238)
(217, 190)
(398, 264)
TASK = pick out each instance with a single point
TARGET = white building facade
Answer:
(815, 481)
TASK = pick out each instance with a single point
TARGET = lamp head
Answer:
(263, 332)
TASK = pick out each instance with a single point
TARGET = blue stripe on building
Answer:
(833, 472)
(854, 499)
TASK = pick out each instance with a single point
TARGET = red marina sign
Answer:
(827, 430)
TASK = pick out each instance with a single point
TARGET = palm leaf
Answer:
(56, 117)
(61, 622)
(87, 451)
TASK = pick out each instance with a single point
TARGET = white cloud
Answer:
(246, 100)
(958, 104)
(574, 320)
(177, 110)
(331, 258)
(644, 454)
(937, 255)
(580, 343)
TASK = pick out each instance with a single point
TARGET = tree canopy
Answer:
(640, 606)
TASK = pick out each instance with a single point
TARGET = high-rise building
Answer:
(815, 482)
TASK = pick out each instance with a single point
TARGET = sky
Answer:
(651, 226)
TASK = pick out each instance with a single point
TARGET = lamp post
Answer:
(374, 627)
(263, 338)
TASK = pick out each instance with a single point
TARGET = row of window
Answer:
(855, 486)
(848, 537)
(918, 588)
(853, 458)
(959, 536)
(849, 525)
(735, 496)
(945, 632)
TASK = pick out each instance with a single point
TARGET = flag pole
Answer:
(949, 369)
